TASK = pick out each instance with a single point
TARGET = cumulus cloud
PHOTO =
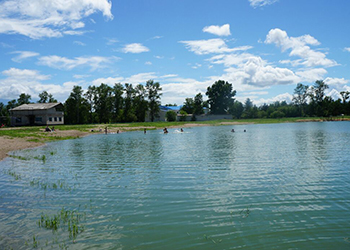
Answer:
(135, 48)
(260, 3)
(203, 47)
(298, 46)
(37, 19)
(22, 55)
(94, 62)
(347, 49)
(249, 70)
(223, 30)
(17, 81)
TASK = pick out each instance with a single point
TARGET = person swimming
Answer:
(165, 130)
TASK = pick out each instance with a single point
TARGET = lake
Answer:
(275, 186)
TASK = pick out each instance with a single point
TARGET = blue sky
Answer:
(263, 47)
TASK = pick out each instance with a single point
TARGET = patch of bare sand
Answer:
(8, 144)
(12, 144)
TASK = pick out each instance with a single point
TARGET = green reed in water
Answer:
(65, 219)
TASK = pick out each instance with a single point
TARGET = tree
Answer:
(76, 107)
(23, 99)
(103, 102)
(237, 109)
(220, 97)
(140, 103)
(129, 115)
(153, 93)
(170, 116)
(317, 95)
(300, 97)
(118, 101)
(198, 104)
(46, 98)
(90, 98)
(188, 106)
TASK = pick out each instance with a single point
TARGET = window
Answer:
(55, 119)
(60, 119)
(38, 119)
(50, 119)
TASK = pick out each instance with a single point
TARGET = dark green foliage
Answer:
(153, 93)
(220, 97)
(170, 116)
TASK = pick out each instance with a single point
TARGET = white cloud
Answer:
(109, 81)
(135, 48)
(347, 49)
(279, 98)
(22, 55)
(27, 81)
(223, 30)
(148, 63)
(79, 43)
(260, 3)
(94, 62)
(37, 19)
(311, 75)
(299, 47)
(248, 71)
(203, 47)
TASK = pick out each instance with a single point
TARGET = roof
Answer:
(173, 108)
(36, 106)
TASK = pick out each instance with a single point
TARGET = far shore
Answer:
(14, 138)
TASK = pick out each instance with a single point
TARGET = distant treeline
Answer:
(125, 103)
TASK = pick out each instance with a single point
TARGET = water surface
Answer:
(277, 186)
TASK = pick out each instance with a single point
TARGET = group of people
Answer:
(47, 129)
(232, 130)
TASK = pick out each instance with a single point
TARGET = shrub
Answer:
(170, 116)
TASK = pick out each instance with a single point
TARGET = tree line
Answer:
(126, 103)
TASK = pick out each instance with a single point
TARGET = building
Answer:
(37, 114)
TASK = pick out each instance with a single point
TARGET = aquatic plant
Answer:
(14, 174)
(69, 219)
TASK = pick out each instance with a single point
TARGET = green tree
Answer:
(237, 109)
(198, 104)
(188, 106)
(153, 93)
(220, 97)
(170, 116)
(76, 107)
(90, 99)
(45, 97)
(317, 95)
(103, 102)
(140, 103)
(129, 115)
(118, 101)
(23, 99)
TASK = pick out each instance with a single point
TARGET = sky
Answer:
(264, 48)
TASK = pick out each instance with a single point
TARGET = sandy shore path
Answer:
(8, 144)
(12, 144)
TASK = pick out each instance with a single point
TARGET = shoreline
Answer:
(10, 144)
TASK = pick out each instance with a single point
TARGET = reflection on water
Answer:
(278, 186)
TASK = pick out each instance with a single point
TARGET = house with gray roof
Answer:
(37, 114)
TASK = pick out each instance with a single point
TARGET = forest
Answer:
(126, 103)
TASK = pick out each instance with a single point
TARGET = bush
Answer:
(277, 114)
(170, 116)
(183, 116)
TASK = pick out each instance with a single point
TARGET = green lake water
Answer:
(275, 186)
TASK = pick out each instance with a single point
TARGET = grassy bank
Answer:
(36, 133)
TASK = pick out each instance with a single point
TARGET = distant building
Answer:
(37, 114)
